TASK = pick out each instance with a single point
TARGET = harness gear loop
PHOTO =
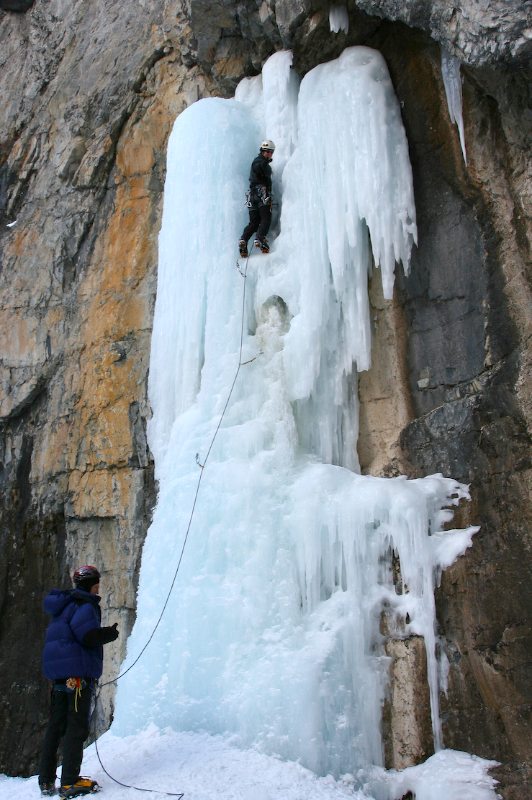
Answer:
(75, 685)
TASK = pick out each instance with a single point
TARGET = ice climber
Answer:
(259, 200)
(73, 661)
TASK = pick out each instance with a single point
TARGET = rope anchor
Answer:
(250, 361)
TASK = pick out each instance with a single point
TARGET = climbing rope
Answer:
(191, 517)
(130, 786)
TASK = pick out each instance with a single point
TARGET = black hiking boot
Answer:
(47, 788)
(243, 248)
(263, 245)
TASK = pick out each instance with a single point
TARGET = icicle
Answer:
(338, 19)
(450, 70)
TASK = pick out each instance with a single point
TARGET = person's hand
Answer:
(113, 631)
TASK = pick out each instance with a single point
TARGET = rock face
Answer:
(88, 96)
(408, 735)
(478, 33)
(82, 171)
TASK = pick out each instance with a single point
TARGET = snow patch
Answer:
(447, 775)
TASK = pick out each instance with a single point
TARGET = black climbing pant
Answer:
(259, 221)
(70, 724)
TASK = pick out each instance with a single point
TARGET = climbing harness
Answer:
(201, 466)
(75, 685)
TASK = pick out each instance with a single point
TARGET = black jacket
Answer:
(260, 174)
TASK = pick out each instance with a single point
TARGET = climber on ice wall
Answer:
(259, 200)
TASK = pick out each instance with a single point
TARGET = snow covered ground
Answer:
(206, 767)
(203, 767)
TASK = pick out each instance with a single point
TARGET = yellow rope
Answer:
(75, 684)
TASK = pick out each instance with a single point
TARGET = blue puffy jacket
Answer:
(75, 613)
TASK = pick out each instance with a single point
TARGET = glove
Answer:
(109, 634)
(113, 632)
(100, 636)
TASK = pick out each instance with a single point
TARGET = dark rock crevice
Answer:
(16, 5)
(32, 540)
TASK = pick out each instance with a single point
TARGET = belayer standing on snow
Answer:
(73, 661)
(259, 200)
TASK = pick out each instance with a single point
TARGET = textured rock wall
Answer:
(88, 94)
(86, 113)
(467, 308)
(407, 724)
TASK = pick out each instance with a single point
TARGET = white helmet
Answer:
(267, 145)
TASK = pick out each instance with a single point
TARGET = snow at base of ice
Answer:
(447, 775)
(210, 768)
(338, 19)
(450, 70)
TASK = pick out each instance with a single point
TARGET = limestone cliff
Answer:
(88, 96)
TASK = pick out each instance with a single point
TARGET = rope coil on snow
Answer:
(202, 467)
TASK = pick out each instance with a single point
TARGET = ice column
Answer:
(272, 632)
(347, 198)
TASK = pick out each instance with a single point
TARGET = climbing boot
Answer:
(47, 788)
(263, 245)
(80, 787)
(243, 248)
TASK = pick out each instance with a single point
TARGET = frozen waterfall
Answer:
(272, 632)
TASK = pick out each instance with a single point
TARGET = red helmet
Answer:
(86, 576)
